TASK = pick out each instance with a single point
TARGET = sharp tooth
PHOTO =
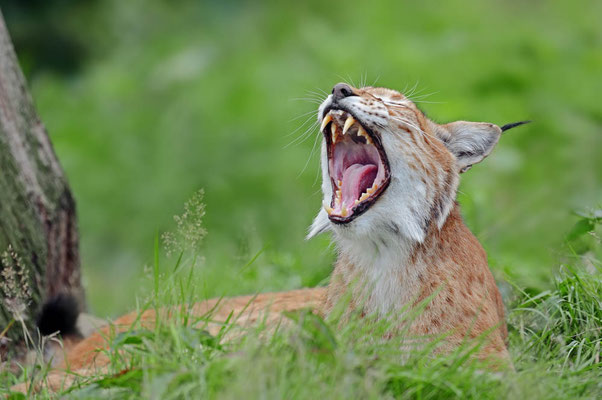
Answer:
(327, 208)
(344, 212)
(325, 122)
(356, 202)
(333, 130)
(364, 196)
(362, 132)
(348, 123)
(338, 194)
(339, 183)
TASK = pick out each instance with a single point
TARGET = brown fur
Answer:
(466, 302)
(85, 359)
(448, 266)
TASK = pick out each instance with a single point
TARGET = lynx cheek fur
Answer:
(390, 177)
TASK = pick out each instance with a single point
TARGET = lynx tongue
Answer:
(356, 179)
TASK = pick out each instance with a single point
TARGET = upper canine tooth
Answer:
(325, 122)
(348, 123)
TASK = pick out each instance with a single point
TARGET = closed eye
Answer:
(397, 103)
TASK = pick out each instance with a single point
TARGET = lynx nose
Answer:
(341, 90)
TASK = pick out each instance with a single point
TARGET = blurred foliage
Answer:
(48, 33)
(173, 96)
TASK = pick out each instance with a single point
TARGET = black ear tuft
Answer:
(59, 314)
(513, 125)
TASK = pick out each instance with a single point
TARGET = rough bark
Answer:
(37, 210)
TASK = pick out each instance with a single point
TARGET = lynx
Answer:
(390, 177)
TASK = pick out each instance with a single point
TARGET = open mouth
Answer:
(357, 164)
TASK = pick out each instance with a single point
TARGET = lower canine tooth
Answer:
(333, 130)
(344, 212)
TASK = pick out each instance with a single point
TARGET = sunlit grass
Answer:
(555, 345)
(310, 357)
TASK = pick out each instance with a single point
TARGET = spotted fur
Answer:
(412, 243)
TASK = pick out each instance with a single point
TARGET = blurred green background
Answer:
(148, 101)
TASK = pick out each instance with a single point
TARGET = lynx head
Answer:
(387, 167)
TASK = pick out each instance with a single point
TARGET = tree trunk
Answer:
(39, 255)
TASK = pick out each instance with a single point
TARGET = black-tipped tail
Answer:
(513, 125)
(59, 314)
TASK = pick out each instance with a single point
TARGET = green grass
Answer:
(554, 360)
(555, 345)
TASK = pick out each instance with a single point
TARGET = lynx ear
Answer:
(470, 142)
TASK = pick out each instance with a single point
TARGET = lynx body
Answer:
(390, 177)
